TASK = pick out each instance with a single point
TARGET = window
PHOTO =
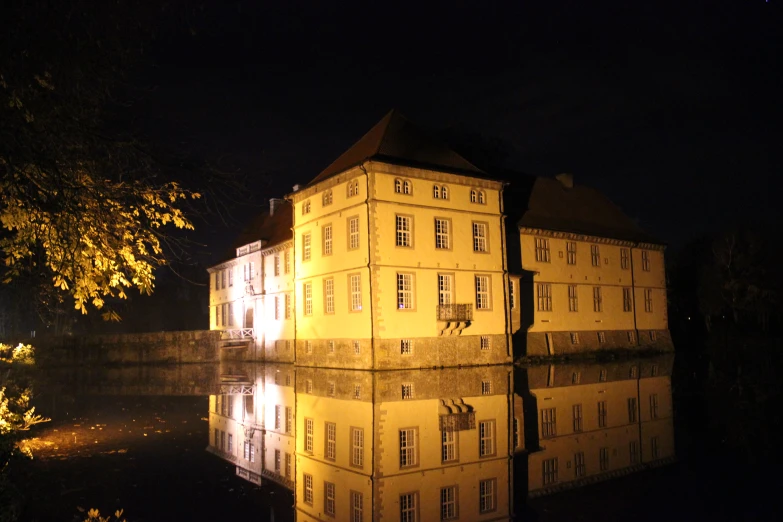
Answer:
(633, 449)
(277, 461)
(217, 437)
(548, 423)
(330, 346)
(445, 289)
(645, 260)
(277, 264)
(308, 488)
(486, 387)
(308, 298)
(474, 196)
(357, 447)
(571, 252)
(408, 455)
(448, 503)
(654, 370)
(330, 389)
(306, 207)
(602, 414)
(407, 187)
(487, 495)
(230, 401)
(654, 406)
(603, 459)
(309, 435)
(407, 391)
(404, 231)
(632, 410)
(404, 291)
(633, 372)
(306, 253)
(231, 276)
(277, 308)
(357, 391)
(223, 278)
(480, 237)
(631, 337)
(246, 450)
(602, 376)
(625, 262)
(601, 337)
(654, 447)
(549, 471)
(408, 507)
(289, 417)
(544, 293)
(448, 449)
(331, 441)
(353, 188)
(652, 335)
(595, 255)
(648, 300)
(512, 294)
(230, 443)
(217, 280)
(486, 438)
(327, 236)
(406, 346)
(579, 464)
(542, 250)
(444, 192)
(288, 306)
(355, 282)
(329, 295)
(442, 234)
(223, 440)
(576, 378)
(485, 342)
(288, 461)
(309, 382)
(231, 314)
(353, 233)
(577, 409)
(627, 300)
(574, 337)
(482, 293)
(329, 494)
(573, 299)
(436, 191)
(326, 199)
(598, 302)
(357, 347)
(481, 197)
(357, 506)
(398, 186)
(278, 415)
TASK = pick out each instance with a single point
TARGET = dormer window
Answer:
(403, 186)
(306, 207)
(327, 198)
(440, 192)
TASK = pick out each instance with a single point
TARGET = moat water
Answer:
(588, 441)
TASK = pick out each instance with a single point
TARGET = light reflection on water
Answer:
(470, 443)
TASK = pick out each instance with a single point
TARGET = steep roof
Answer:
(578, 209)
(396, 140)
(272, 228)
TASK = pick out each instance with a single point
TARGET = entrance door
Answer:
(249, 317)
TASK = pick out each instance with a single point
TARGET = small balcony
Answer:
(453, 318)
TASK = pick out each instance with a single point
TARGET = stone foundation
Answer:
(589, 342)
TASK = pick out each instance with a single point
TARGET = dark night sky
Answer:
(672, 110)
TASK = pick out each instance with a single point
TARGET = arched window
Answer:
(473, 196)
(355, 188)
(350, 189)
(481, 197)
(306, 207)
(407, 188)
(444, 192)
(436, 192)
(398, 186)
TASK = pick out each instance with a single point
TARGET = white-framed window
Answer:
(442, 233)
(595, 255)
(436, 191)
(306, 246)
(277, 265)
(598, 301)
(357, 506)
(571, 252)
(355, 281)
(483, 301)
(601, 337)
(404, 231)
(353, 233)
(542, 250)
(544, 297)
(231, 314)
(306, 207)
(573, 298)
(409, 507)
(329, 295)
(403, 186)
(478, 196)
(329, 496)
(327, 236)
(577, 412)
(230, 443)
(548, 423)
(480, 237)
(486, 387)
(223, 278)
(486, 438)
(289, 417)
(353, 188)
(326, 198)
(579, 464)
(288, 306)
(308, 298)
(648, 300)
(485, 342)
(231, 276)
(309, 428)
(330, 452)
(357, 447)
(408, 455)
(549, 471)
(445, 289)
(602, 414)
(246, 450)
(448, 503)
(448, 445)
(625, 259)
(405, 291)
(407, 391)
(487, 495)
(645, 260)
(406, 346)
(308, 488)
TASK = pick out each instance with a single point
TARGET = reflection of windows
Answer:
(574, 337)
(602, 414)
(548, 423)
(579, 464)
(549, 471)
(601, 337)
(408, 455)
(486, 438)
(406, 346)
(542, 250)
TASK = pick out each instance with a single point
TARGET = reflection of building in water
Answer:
(591, 422)
(355, 445)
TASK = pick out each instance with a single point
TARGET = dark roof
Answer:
(396, 140)
(579, 209)
(274, 229)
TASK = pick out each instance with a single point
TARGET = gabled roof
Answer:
(578, 209)
(396, 140)
(271, 228)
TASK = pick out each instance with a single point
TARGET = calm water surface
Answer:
(276, 442)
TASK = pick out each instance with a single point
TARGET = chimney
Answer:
(566, 179)
(297, 187)
(274, 203)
